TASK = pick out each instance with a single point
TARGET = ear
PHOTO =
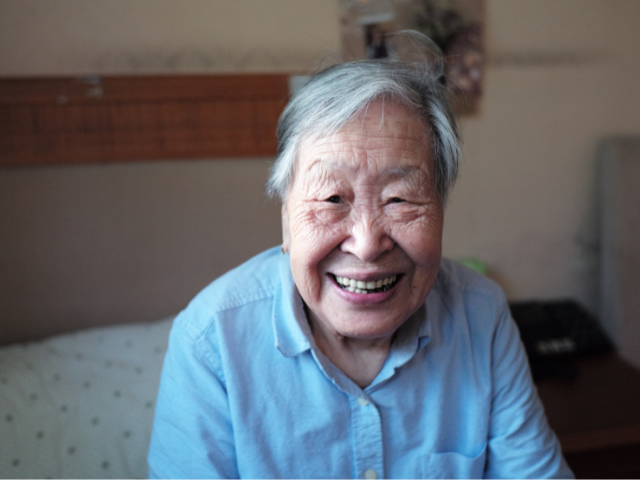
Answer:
(286, 234)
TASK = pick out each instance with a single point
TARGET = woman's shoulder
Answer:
(465, 293)
(243, 294)
(255, 279)
(455, 276)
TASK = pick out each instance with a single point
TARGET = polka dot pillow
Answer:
(81, 405)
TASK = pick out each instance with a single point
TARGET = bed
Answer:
(81, 404)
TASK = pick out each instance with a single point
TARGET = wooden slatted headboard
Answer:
(132, 118)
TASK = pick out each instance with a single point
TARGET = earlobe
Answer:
(286, 236)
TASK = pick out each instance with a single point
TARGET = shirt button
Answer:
(364, 402)
(371, 474)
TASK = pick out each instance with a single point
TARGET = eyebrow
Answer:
(404, 172)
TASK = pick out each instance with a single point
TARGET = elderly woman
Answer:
(354, 350)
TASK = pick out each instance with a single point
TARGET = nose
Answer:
(367, 240)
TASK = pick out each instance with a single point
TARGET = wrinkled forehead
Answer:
(328, 173)
(384, 134)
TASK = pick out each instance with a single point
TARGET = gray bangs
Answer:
(335, 96)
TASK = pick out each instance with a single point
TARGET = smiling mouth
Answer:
(359, 286)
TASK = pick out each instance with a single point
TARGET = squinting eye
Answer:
(334, 199)
(396, 200)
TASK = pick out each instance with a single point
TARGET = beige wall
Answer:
(71, 37)
(117, 243)
(562, 74)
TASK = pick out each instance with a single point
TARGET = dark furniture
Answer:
(597, 417)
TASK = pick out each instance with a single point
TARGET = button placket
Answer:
(367, 438)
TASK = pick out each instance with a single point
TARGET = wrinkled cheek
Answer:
(306, 277)
(310, 245)
(422, 245)
(312, 286)
(317, 241)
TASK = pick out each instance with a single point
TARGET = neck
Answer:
(360, 359)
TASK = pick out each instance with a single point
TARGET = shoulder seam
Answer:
(237, 301)
(200, 336)
(489, 289)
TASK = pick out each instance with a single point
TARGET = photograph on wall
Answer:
(455, 26)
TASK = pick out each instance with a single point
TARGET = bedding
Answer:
(81, 405)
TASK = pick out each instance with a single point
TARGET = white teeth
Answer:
(359, 286)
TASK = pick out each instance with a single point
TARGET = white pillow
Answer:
(81, 404)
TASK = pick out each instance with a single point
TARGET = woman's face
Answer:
(362, 210)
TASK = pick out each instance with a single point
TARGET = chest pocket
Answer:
(454, 465)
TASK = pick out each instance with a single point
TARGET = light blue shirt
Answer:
(246, 393)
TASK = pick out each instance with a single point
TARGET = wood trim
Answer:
(105, 119)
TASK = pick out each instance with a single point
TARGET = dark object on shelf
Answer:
(556, 332)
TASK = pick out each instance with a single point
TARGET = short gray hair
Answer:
(338, 94)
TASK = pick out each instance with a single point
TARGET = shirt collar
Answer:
(424, 328)
(290, 324)
(414, 334)
(417, 327)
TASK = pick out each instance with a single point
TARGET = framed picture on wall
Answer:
(456, 26)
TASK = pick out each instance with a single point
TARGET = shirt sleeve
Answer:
(192, 432)
(521, 444)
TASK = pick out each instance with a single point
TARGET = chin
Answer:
(369, 331)
(368, 324)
